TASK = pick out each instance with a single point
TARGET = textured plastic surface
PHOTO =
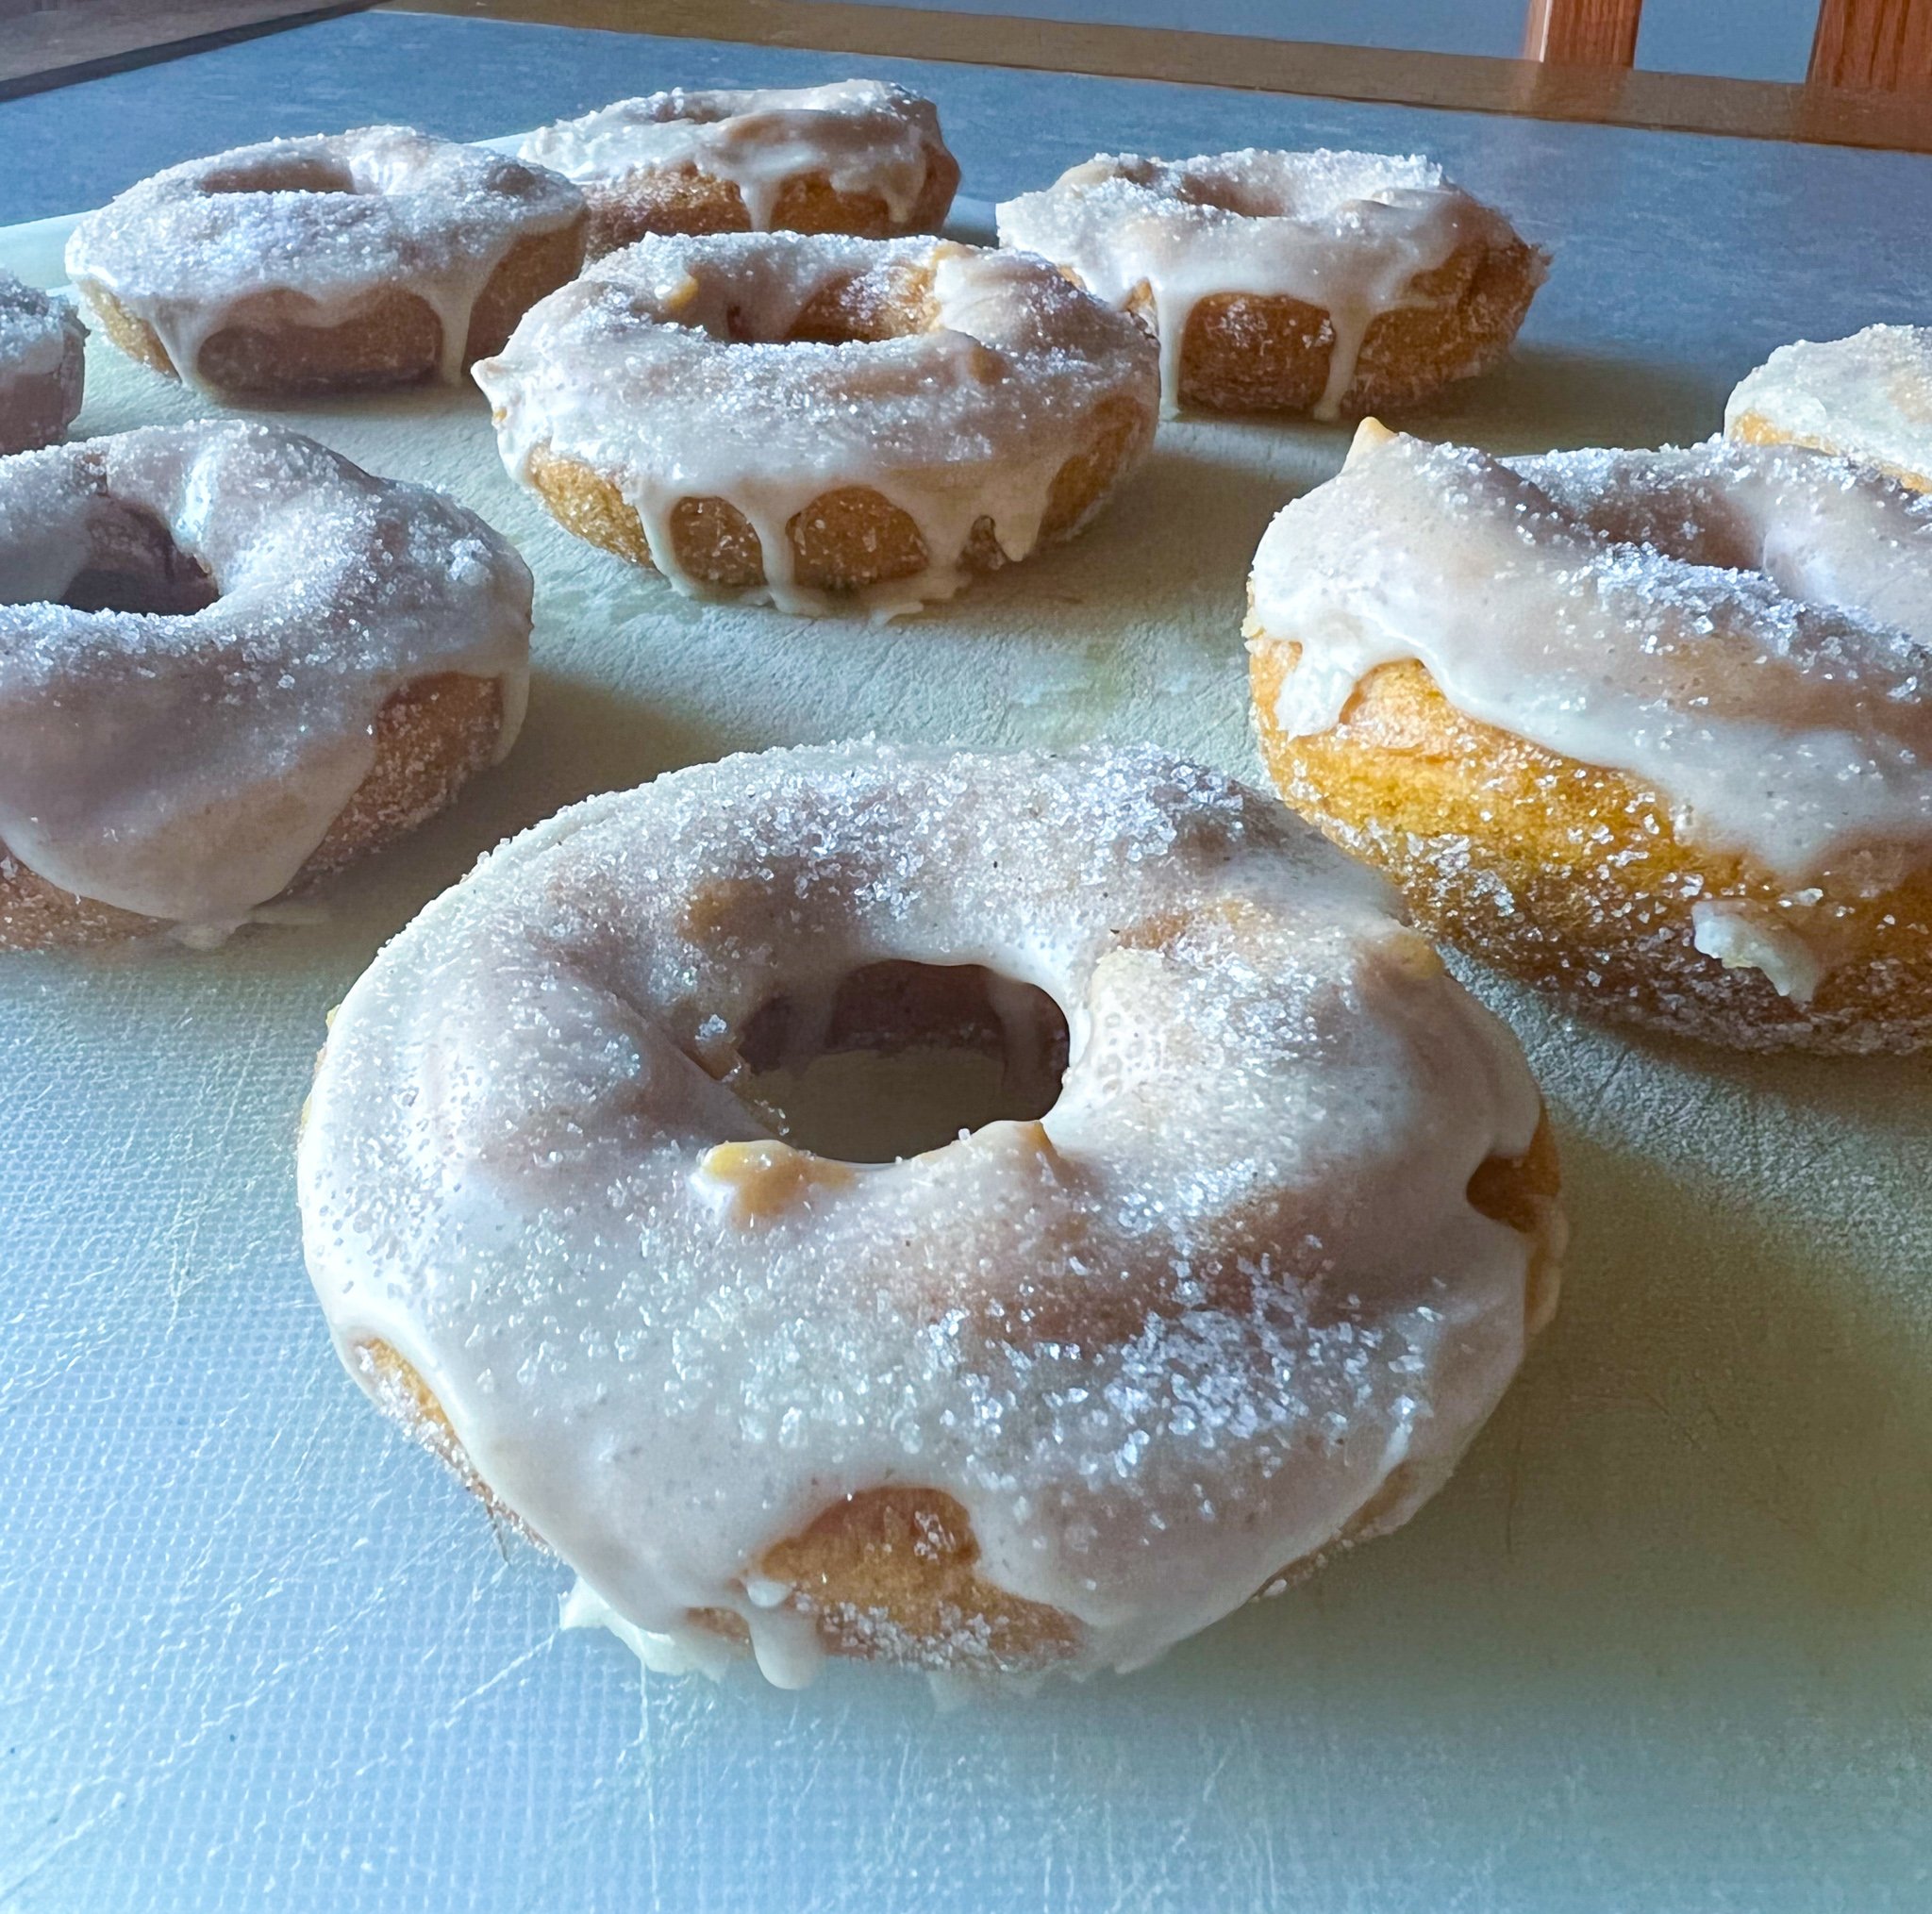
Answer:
(1662, 1643)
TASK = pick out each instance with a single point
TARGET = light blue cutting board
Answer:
(1664, 1643)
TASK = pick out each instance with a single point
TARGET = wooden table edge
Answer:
(1659, 102)
(42, 50)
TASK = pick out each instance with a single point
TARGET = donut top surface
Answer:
(1159, 1344)
(1869, 396)
(1348, 233)
(37, 330)
(863, 136)
(1745, 630)
(336, 219)
(671, 366)
(183, 762)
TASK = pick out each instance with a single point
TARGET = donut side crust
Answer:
(1252, 352)
(890, 1574)
(1754, 428)
(841, 540)
(1572, 876)
(36, 409)
(264, 349)
(686, 200)
(431, 736)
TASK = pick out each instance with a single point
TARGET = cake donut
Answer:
(812, 420)
(1056, 1394)
(1322, 282)
(376, 258)
(1651, 728)
(859, 157)
(229, 659)
(1868, 397)
(43, 363)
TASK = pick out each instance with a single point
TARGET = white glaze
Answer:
(1257, 1162)
(1346, 232)
(641, 371)
(1869, 396)
(693, 1651)
(1745, 630)
(431, 216)
(862, 136)
(186, 766)
(1742, 938)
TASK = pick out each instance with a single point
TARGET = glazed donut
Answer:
(376, 258)
(43, 363)
(860, 156)
(1057, 1393)
(229, 659)
(1868, 397)
(1322, 282)
(1650, 727)
(806, 420)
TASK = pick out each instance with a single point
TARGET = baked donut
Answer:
(1868, 397)
(859, 157)
(43, 363)
(229, 659)
(1320, 282)
(807, 420)
(376, 258)
(1057, 1393)
(1651, 728)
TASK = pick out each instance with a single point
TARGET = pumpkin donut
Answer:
(1652, 728)
(1320, 282)
(1054, 1395)
(821, 422)
(230, 662)
(42, 366)
(376, 258)
(859, 157)
(1868, 397)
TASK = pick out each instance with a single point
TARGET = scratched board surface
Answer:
(1663, 1642)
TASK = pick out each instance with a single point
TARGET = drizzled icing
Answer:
(185, 766)
(381, 207)
(36, 331)
(1745, 630)
(655, 370)
(1161, 1344)
(1869, 396)
(862, 136)
(1741, 937)
(1348, 233)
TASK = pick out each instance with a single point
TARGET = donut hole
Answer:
(283, 176)
(866, 308)
(134, 565)
(683, 109)
(1226, 193)
(902, 1057)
